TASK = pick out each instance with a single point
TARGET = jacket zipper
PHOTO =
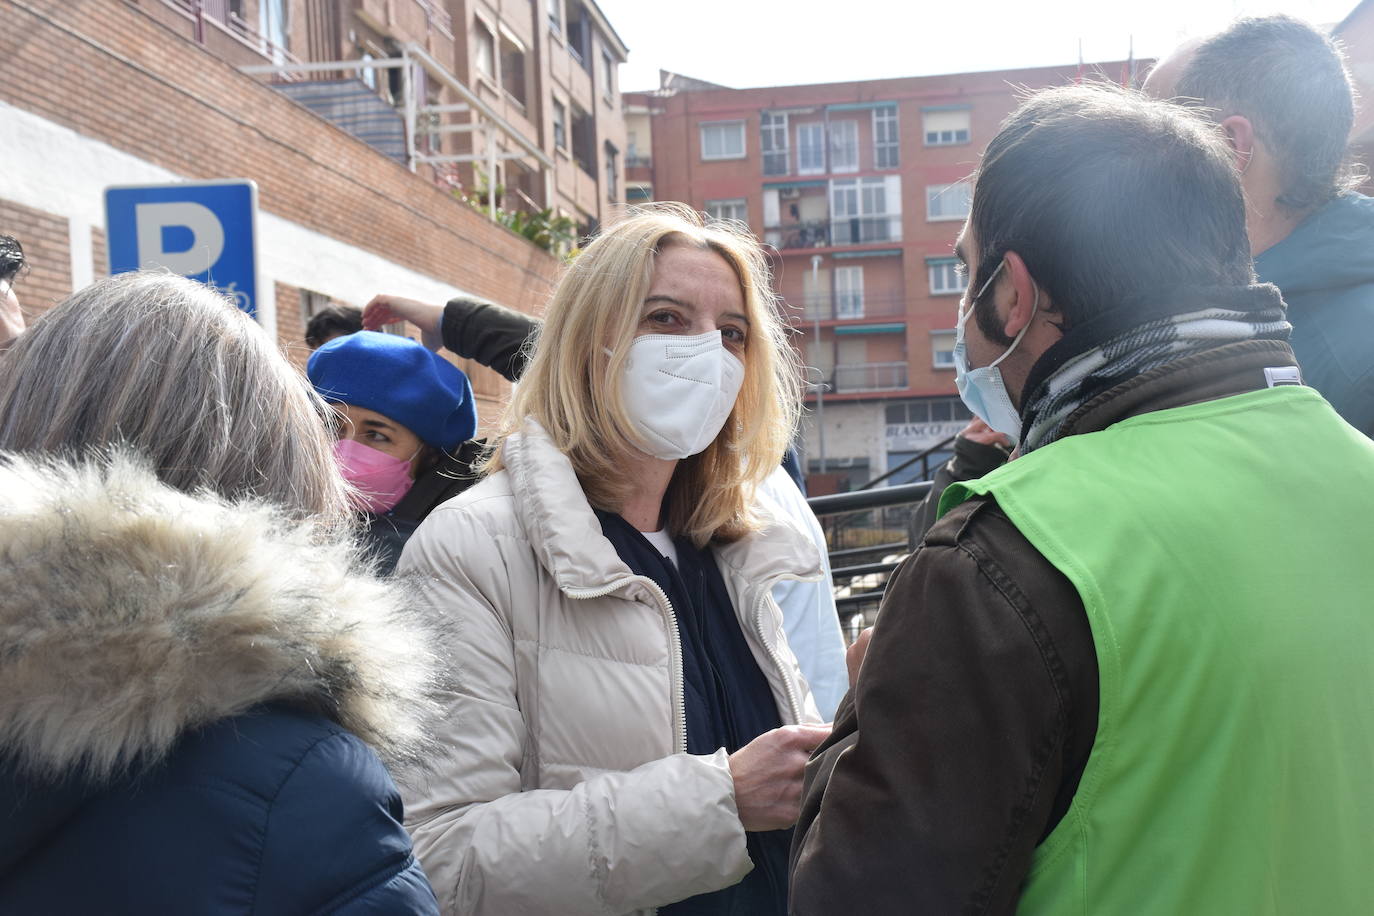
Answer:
(793, 703)
(675, 645)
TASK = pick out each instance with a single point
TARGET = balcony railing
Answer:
(866, 230)
(814, 234)
(868, 377)
(638, 162)
(437, 16)
(853, 230)
(846, 308)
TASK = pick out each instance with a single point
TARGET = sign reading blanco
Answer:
(917, 437)
(204, 230)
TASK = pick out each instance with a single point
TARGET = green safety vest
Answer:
(1224, 553)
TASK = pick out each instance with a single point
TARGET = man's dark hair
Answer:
(1290, 81)
(1116, 202)
(12, 261)
(332, 321)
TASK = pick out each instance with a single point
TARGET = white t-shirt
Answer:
(663, 543)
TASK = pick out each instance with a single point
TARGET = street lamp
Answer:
(816, 327)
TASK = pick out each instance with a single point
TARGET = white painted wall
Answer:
(852, 430)
(52, 168)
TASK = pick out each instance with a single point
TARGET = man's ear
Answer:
(1022, 306)
(1240, 136)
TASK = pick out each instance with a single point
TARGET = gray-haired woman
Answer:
(195, 683)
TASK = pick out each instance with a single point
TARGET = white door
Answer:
(844, 146)
(849, 292)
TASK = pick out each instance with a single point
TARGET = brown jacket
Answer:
(976, 709)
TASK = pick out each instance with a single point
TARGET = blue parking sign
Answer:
(205, 230)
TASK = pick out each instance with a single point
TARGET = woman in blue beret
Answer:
(403, 413)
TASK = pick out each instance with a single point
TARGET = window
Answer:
(948, 201)
(773, 142)
(945, 127)
(584, 140)
(612, 171)
(272, 28)
(513, 68)
(942, 357)
(484, 50)
(885, 142)
(862, 210)
(722, 140)
(849, 292)
(945, 277)
(607, 77)
(560, 125)
(728, 209)
(844, 146)
(556, 16)
(811, 148)
(580, 34)
(927, 410)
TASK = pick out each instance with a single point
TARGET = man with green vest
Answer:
(1132, 670)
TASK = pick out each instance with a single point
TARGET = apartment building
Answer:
(549, 69)
(860, 189)
(355, 118)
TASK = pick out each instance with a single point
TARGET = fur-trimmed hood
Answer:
(131, 612)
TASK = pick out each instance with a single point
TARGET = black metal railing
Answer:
(859, 570)
(943, 446)
(867, 533)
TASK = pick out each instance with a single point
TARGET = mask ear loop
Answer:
(1035, 307)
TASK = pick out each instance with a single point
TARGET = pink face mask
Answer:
(381, 480)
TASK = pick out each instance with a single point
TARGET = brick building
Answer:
(861, 188)
(355, 191)
(548, 68)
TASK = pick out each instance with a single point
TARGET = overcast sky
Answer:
(743, 43)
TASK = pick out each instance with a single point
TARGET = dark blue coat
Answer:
(277, 812)
(1325, 270)
(193, 699)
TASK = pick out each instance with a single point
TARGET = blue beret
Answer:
(399, 379)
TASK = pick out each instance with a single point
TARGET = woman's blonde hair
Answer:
(572, 386)
(170, 369)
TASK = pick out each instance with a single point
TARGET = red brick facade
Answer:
(112, 72)
(894, 264)
(47, 249)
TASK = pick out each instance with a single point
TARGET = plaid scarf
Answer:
(1249, 313)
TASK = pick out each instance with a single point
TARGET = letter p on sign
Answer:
(204, 230)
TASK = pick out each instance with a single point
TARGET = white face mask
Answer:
(982, 390)
(679, 391)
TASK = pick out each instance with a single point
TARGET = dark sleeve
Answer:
(971, 460)
(335, 841)
(488, 333)
(964, 740)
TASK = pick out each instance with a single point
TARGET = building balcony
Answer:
(638, 162)
(859, 377)
(837, 233)
(866, 230)
(846, 308)
(814, 234)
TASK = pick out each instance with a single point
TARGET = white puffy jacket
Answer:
(568, 789)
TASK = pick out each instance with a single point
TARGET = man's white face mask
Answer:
(679, 391)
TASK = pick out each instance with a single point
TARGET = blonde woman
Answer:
(199, 681)
(629, 727)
